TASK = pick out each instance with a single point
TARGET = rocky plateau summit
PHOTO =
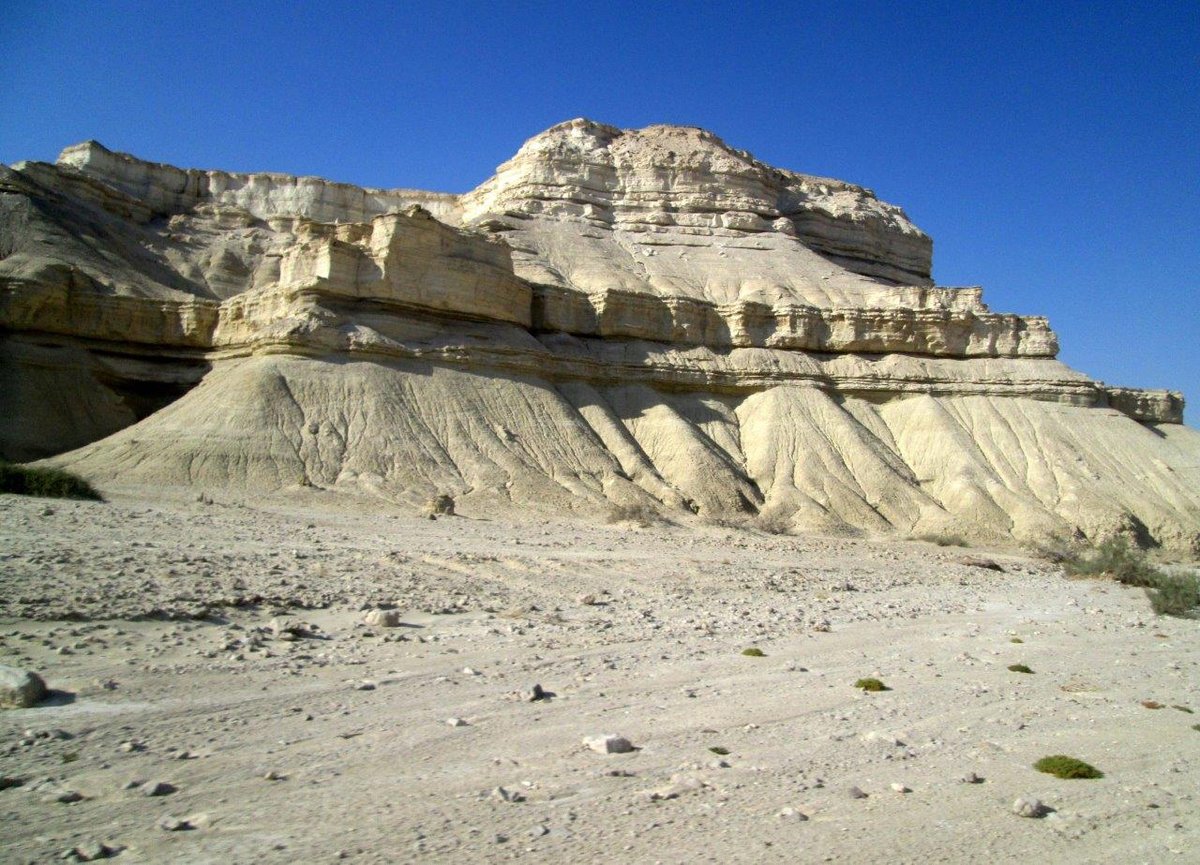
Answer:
(617, 319)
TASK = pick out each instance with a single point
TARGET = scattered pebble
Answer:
(157, 788)
(532, 695)
(503, 794)
(1028, 807)
(93, 851)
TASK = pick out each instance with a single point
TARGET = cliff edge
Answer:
(618, 318)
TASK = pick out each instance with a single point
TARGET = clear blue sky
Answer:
(1052, 150)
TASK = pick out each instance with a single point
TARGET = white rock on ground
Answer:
(20, 689)
(609, 743)
(383, 618)
(1028, 806)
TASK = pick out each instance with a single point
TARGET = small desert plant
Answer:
(1196, 727)
(1019, 668)
(50, 483)
(945, 540)
(441, 505)
(1062, 766)
(719, 750)
(1170, 594)
(1184, 709)
(871, 685)
(1152, 704)
(640, 515)
(772, 524)
(1113, 558)
(1175, 595)
(1016, 640)
(754, 653)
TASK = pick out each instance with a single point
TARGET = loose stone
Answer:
(20, 689)
(609, 743)
(1028, 807)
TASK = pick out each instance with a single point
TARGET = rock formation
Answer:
(645, 319)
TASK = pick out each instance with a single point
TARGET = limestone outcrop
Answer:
(617, 317)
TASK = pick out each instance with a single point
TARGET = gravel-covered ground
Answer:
(221, 649)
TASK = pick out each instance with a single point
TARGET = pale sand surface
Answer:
(379, 776)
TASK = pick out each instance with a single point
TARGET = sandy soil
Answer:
(151, 617)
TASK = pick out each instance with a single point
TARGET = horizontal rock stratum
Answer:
(618, 318)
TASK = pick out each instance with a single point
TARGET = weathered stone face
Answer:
(617, 316)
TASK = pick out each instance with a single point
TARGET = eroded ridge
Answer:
(617, 316)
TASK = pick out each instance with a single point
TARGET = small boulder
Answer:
(1028, 807)
(93, 851)
(20, 689)
(286, 627)
(383, 618)
(609, 744)
(979, 562)
(503, 794)
(440, 506)
(536, 693)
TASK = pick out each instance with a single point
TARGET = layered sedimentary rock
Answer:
(642, 317)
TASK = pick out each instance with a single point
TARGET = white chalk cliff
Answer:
(630, 317)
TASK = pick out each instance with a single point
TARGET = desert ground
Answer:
(219, 697)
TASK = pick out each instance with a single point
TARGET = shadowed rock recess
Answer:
(617, 317)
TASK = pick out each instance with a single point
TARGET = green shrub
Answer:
(754, 653)
(871, 685)
(1019, 668)
(641, 515)
(50, 483)
(1175, 595)
(1062, 766)
(773, 524)
(1184, 709)
(1170, 594)
(1016, 640)
(719, 750)
(945, 540)
(1113, 558)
